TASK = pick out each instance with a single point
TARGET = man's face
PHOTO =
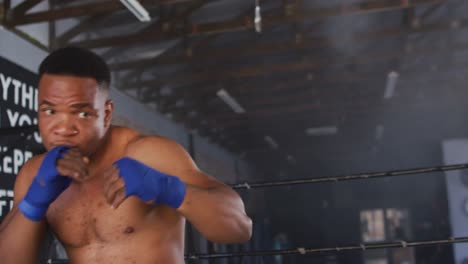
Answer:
(73, 111)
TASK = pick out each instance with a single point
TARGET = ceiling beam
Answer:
(178, 18)
(22, 8)
(427, 13)
(247, 24)
(5, 7)
(184, 45)
(9, 14)
(187, 50)
(79, 28)
(397, 54)
(68, 12)
(288, 46)
(308, 64)
(84, 10)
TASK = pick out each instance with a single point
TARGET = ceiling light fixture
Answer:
(392, 79)
(290, 159)
(258, 17)
(379, 132)
(229, 100)
(137, 9)
(271, 142)
(321, 131)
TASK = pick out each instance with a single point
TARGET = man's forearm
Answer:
(218, 213)
(20, 238)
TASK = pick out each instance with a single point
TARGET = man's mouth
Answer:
(64, 143)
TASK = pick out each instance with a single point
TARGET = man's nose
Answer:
(66, 128)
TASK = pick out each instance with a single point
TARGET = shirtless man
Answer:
(110, 194)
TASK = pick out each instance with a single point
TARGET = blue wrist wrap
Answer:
(45, 187)
(149, 184)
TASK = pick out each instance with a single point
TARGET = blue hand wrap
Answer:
(45, 187)
(149, 184)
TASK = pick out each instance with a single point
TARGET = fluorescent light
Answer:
(392, 79)
(149, 53)
(290, 159)
(455, 24)
(258, 18)
(137, 9)
(379, 131)
(229, 100)
(321, 131)
(271, 142)
(180, 103)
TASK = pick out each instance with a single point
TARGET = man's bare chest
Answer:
(82, 216)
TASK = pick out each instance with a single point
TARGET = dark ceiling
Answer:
(318, 65)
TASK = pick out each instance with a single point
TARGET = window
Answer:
(379, 225)
(373, 225)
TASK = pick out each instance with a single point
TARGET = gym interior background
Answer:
(272, 90)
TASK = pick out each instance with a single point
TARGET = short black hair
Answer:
(79, 62)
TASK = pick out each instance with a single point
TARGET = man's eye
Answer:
(83, 114)
(48, 111)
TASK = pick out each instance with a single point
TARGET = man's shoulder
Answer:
(154, 148)
(134, 141)
(124, 131)
(33, 163)
(152, 141)
(123, 136)
(30, 168)
(134, 136)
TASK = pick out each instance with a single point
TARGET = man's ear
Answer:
(108, 109)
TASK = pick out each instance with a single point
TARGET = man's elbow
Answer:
(244, 230)
(246, 233)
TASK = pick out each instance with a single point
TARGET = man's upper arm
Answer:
(25, 177)
(169, 157)
(22, 182)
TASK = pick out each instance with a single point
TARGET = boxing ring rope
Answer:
(310, 251)
(357, 176)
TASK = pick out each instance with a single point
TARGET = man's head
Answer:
(78, 62)
(74, 108)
